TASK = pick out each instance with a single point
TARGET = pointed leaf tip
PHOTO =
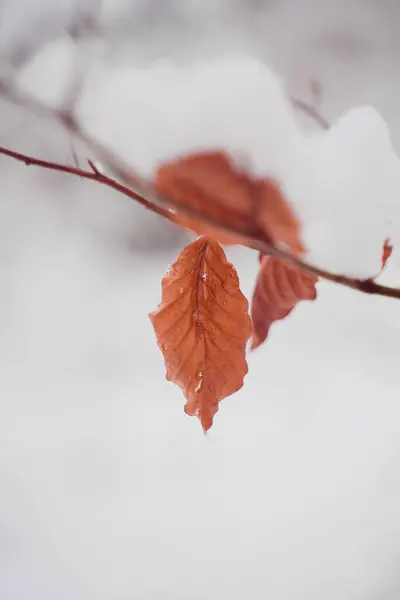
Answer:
(387, 250)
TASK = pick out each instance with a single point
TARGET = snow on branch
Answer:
(207, 193)
(132, 185)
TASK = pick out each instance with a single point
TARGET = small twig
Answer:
(310, 111)
(169, 207)
(81, 29)
(68, 120)
(93, 175)
(316, 92)
(93, 167)
(74, 155)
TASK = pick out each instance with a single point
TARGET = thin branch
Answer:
(93, 175)
(83, 29)
(138, 189)
(170, 207)
(67, 119)
(310, 111)
(93, 167)
(74, 155)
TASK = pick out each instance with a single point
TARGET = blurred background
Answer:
(349, 48)
(107, 490)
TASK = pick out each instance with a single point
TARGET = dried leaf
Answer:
(278, 289)
(387, 250)
(277, 219)
(202, 327)
(210, 183)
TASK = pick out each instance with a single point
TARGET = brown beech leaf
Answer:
(211, 183)
(277, 219)
(387, 250)
(279, 288)
(202, 327)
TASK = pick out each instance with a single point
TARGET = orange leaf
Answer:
(210, 183)
(386, 252)
(277, 219)
(202, 327)
(278, 289)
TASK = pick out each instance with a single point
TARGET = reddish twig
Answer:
(137, 189)
(169, 207)
(93, 175)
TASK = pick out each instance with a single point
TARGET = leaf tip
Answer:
(386, 252)
(255, 343)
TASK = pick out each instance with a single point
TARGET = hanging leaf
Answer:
(279, 288)
(202, 327)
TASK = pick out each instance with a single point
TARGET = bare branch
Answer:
(93, 167)
(311, 111)
(169, 207)
(141, 191)
(74, 155)
(68, 120)
(93, 175)
(82, 29)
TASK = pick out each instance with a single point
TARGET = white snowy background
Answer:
(107, 490)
